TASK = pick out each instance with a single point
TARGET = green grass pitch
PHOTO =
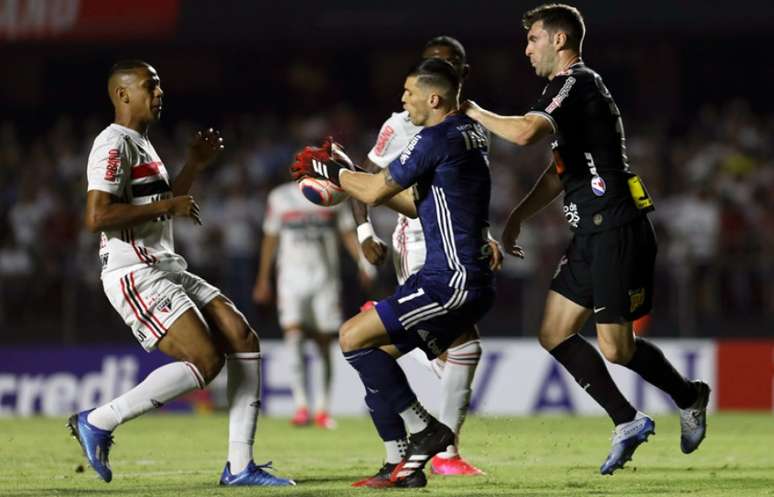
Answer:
(170, 455)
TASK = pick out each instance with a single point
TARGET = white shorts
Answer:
(150, 299)
(408, 259)
(319, 311)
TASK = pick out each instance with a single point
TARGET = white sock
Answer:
(162, 385)
(294, 345)
(395, 449)
(435, 366)
(461, 362)
(322, 380)
(244, 402)
(415, 417)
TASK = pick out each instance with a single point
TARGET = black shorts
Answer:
(610, 272)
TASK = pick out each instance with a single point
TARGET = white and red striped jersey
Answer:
(394, 136)
(123, 163)
(308, 252)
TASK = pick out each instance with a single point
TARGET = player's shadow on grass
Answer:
(348, 479)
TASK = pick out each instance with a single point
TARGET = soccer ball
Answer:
(321, 191)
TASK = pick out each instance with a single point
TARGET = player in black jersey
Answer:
(607, 270)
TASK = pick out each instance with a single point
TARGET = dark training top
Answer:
(589, 150)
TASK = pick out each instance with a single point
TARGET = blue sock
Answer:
(382, 376)
(388, 424)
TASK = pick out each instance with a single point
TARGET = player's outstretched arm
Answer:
(543, 193)
(105, 212)
(203, 149)
(521, 130)
(376, 189)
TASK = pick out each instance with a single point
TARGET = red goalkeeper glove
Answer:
(321, 162)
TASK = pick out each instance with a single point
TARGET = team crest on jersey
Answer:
(164, 305)
(385, 136)
(598, 186)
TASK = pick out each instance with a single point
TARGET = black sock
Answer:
(588, 368)
(649, 362)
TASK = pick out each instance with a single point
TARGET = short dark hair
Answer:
(127, 65)
(559, 17)
(439, 74)
(452, 44)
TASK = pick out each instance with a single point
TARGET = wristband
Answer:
(364, 232)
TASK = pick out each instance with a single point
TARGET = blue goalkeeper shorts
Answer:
(429, 314)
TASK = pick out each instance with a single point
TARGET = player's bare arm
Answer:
(374, 249)
(521, 130)
(202, 151)
(105, 212)
(376, 189)
(548, 187)
(262, 291)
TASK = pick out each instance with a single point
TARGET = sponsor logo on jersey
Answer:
(598, 186)
(571, 214)
(384, 139)
(113, 163)
(559, 98)
(431, 341)
(409, 148)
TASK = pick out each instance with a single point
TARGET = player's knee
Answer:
(348, 337)
(209, 364)
(615, 353)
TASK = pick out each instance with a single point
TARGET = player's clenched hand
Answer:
(185, 206)
(262, 293)
(321, 162)
(510, 235)
(204, 147)
(374, 250)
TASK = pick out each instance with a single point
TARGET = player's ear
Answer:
(465, 71)
(122, 94)
(560, 40)
(435, 100)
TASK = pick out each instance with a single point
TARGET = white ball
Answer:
(321, 191)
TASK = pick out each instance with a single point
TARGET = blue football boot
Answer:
(94, 442)
(626, 438)
(253, 475)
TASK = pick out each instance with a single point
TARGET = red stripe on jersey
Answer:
(147, 311)
(137, 314)
(144, 170)
(294, 215)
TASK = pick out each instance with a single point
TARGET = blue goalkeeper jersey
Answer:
(448, 164)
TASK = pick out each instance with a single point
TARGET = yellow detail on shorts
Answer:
(636, 298)
(639, 194)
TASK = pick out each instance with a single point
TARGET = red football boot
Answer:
(324, 421)
(453, 466)
(301, 418)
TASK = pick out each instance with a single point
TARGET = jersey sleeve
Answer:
(416, 160)
(108, 167)
(557, 97)
(393, 138)
(272, 221)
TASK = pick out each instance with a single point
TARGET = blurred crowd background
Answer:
(692, 89)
